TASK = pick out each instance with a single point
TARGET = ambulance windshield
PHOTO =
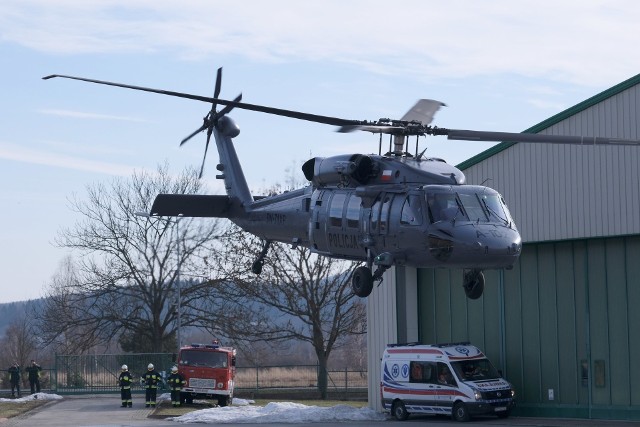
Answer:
(475, 370)
(210, 359)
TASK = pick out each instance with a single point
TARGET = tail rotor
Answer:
(211, 119)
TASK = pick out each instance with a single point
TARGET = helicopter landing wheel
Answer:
(473, 284)
(362, 282)
(256, 267)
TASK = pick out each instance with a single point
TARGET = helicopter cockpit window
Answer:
(498, 211)
(335, 210)
(472, 206)
(411, 211)
(353, 211)
(443, 207)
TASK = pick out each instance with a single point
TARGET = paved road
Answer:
(104, 411)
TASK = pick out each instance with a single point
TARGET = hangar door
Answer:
(563, 325)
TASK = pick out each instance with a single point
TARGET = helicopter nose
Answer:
(498, 247)
(479, 246)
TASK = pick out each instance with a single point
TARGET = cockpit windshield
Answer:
(496, 208)
(468, 205)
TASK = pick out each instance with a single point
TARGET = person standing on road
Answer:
(150, 380)
(176, 381)
(125, 381)
(34, 376)
(14, 379)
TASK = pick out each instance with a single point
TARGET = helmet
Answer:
(125, 367)
(174, 369)
(150, 367)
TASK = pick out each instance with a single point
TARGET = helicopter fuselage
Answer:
(453, 226)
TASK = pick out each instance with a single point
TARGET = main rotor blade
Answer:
(473, 135)
(389, 129)
(216, 92)
(225, 110)
(335, 121)
(423, 111)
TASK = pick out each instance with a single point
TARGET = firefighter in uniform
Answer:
(125, 381)
(150, 380)
(14, 379)
(34, 376)
(176, 381)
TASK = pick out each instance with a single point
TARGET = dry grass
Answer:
(295, 377)
(12, 409)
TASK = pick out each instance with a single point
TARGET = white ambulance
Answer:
(448, 379)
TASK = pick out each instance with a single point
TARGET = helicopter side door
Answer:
(343, 225)
(411, 224)
(379, 221)
(334, 228)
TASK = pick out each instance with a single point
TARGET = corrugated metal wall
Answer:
(567, 310)
(559, 192)
(382, 329)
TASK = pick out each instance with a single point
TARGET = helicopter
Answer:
(397, 208)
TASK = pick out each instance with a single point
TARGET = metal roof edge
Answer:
(553, 120)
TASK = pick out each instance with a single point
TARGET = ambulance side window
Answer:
(445, 377)
(422, 372)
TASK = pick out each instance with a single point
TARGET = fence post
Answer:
(346, 384)
(257, 378)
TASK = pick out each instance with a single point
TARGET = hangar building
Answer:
(564, 324)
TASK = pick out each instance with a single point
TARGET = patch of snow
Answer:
(36, 396)
(280, 412)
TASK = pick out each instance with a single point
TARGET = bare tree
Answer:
(299, 296)
(125, 283)
(19, 342)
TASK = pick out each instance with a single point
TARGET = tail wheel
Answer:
(460, 412)
(362, 282)
(399, 410)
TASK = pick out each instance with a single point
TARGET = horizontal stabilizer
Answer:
(191, 205)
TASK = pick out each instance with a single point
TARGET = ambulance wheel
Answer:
(399, 410)
(362, 282)
(460, 412)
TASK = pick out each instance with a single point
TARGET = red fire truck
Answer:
(209, 371)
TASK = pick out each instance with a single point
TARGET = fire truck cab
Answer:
(209, 372)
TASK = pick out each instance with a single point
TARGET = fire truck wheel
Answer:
(224, 401)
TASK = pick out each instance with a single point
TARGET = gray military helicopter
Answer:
(397, 208)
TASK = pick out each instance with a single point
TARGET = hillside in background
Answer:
(13, 310)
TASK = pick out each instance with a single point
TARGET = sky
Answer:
(499, 65)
